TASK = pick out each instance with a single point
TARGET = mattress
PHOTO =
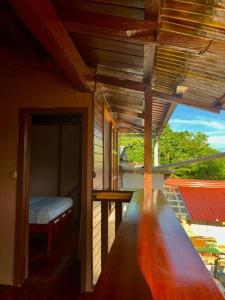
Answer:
(44, 209)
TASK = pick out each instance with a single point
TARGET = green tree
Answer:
(135, 146)
(180, 146)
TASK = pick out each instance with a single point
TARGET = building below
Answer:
(200, 206)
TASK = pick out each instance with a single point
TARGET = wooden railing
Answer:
(153, 258)
(107, 216)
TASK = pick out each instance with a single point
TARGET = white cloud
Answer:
(216, 139)
(217, 142)
(207, 123)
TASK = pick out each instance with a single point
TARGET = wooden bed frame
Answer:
(54, 226)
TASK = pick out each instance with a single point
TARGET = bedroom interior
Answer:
(55, 182)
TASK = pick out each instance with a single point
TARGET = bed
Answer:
(49, 215)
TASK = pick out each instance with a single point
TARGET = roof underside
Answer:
(133, 46)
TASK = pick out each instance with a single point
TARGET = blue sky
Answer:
(186, 118)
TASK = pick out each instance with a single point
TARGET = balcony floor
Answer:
(55, 276)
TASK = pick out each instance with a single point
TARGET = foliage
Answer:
(135, 146)
(180, 146)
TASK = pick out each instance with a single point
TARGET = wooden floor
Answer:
(55, 276)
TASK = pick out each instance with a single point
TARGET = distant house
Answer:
(132, 174)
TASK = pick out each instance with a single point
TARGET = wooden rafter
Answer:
(152, 9)
(43, 21)
(124, 83)
(142, 87)
(126, 111)
(194, 43)
(130, 125)
(108, 24)
(186, 101)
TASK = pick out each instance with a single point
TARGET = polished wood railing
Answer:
(153, 258)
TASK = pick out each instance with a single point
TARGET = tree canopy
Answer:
(180, 146)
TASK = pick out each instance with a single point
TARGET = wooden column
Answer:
(148, 148)
(156, 154)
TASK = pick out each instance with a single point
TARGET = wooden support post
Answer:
(156, 154)
(118, 214)
(104, 232)
(148, 148)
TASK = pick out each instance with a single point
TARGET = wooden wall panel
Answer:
(98, 183)
(30, 82)
(98, 143)
(44, 161)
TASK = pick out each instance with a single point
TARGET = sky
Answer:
(195, 120)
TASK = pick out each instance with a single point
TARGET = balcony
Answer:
(152, 257)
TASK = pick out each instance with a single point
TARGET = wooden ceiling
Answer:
(122, 48)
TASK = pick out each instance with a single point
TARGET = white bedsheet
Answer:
(43, 209)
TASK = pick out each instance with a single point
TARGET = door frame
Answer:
(21, 249)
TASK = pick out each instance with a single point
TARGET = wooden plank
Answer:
(164, 121)
(113, 195)
(130, 124)
(152, 9)
(107, 44)
(196, 43)
(43, 21)
(128, 3)
(108, 24)
(108, 8)
(128, 84)
(186, 101)
(127, 112)
(139, 86)
(149, 59)
(93, 56)
(181, 274)
(86, 30)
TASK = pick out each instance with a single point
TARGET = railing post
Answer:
(104, 231)
(148, 148)
(118, 214)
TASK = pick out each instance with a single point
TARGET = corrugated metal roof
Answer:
(179, 182)
(205, 204)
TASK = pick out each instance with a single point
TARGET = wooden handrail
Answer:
(153, 258)
(112, 196)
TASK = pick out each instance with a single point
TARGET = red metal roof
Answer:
(179, 182)
(205, 204)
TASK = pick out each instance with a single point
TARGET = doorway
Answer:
(48, 171)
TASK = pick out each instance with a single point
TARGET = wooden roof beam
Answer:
(194, 43)
(124, 83)
(108, 24)
(124, 123)
(186, 101)
(127, 111)
(142, 87)
(43, 21)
